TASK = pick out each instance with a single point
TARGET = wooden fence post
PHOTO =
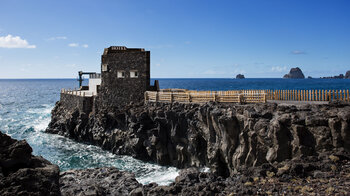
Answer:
(319, 95)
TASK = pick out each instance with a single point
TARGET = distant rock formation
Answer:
(309, 77)
(295, 73)
(240, 76)
(341, 76)
(347, 75)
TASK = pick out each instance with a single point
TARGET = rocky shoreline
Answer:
(226, 138)
(24, 174)
(21, 173)
(250, 149)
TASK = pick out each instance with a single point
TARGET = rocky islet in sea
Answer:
(340, 76)
(294, 73)
(240, 76)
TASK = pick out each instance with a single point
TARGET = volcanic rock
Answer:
(240, 76)
(347, 75)
(21, 173)
(224, 137)
(340, 76)
(295, 73)
(99, 181)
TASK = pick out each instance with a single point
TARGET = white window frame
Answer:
(134, 74)
(104, 67)
(120, 74)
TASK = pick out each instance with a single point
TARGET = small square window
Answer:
(134, 74)
(104, 67)
(121, 74)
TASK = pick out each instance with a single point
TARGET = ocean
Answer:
(25, 106)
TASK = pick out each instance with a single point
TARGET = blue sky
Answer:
(187, 38)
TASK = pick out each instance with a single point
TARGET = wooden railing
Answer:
(240, 96)
(245, 96)
(77, 92)
(308, 95)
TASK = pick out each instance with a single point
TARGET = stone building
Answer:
(124, 79)
(125, 76)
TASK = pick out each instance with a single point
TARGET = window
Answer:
(134, 74)
(104, 67)
(121, 74)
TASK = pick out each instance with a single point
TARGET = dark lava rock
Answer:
(347, 75)
(295, 73)
(224, 137)
(99, 181)
(21, 173)
(240, 76)
(341, 76)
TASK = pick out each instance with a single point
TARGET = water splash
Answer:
(27, 117)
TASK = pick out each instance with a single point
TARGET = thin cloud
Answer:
(10, 41)
(297, 52)
(213, 72)
(221, 72)
(57, 38)
(278, 69)
(73, 45)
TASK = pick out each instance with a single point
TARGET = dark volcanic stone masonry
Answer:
(226, 138)
(118, 86)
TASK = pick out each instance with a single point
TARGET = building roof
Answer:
(118, 49)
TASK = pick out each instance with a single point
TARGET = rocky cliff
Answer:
(24, 174)
(226, 138)
(240, 76)
(347, 75)
(295, 73)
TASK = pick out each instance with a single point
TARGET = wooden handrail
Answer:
(247, 96)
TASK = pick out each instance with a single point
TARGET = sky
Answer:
(187, 38)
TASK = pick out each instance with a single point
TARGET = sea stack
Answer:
(347, 75)
(240, 76)
(295, 73)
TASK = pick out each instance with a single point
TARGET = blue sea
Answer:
(25, 106)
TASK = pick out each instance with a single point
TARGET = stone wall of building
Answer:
(117, 91)
(84, 104)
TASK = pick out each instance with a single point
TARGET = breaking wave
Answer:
(27, 116)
